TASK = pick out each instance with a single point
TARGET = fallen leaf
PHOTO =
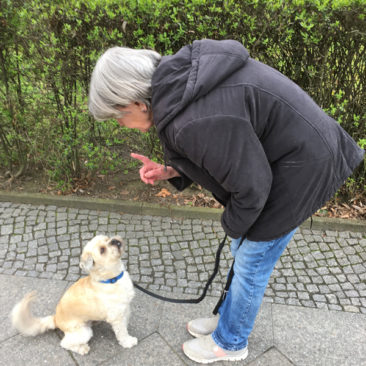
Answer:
(357, 208)
(345, 216)
(163, 193)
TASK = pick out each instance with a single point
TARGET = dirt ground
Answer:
(122, 186)
(114, 186)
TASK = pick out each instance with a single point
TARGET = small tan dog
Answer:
(103, 295)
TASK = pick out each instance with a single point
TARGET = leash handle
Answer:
(190, 301)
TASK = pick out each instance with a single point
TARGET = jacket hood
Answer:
(192, 73)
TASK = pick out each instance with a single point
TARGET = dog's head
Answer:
(102, 255)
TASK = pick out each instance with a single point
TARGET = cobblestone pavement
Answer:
(318, 269)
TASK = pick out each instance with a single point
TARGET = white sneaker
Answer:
(205, 350)
(202, 326)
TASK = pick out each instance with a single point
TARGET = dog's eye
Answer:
(102, 250)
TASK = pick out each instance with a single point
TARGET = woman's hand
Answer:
(151, 171)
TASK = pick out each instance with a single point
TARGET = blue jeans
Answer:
(254, 263)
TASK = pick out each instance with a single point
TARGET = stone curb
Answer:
(142, 208)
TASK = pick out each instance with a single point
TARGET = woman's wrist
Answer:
(172, 172)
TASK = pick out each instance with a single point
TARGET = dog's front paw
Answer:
(82, 349)
(128, 342)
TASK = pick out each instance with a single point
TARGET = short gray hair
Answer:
(121, 76)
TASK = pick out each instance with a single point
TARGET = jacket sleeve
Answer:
(180, 183)
(230, 151)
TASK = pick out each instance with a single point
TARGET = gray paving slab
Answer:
(271, 358)
(41, 350)
(311, 337)
(152, 351)
(14, 288)
(103, 346)
(146, 313)
(173, 322)
(175, 317)
(261, 338)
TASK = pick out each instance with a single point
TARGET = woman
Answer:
(246, 133)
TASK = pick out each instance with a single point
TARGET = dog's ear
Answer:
(86, 262)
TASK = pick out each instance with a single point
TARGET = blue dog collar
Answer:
(114, 279)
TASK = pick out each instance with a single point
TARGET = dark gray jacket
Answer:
(249, 135)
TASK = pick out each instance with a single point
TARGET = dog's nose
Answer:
(116, 242)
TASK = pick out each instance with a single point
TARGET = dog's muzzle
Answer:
(117, 243)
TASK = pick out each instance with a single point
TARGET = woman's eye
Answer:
(102, 250)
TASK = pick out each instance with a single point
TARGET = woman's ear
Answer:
(142, 106)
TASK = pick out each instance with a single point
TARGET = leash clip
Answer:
(221, 300)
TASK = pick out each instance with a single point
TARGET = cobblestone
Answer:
(318, 269)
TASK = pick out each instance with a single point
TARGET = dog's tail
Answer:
(23, 320)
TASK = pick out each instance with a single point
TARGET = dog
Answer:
(104, 295)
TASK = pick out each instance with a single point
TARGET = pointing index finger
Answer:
(142, 158)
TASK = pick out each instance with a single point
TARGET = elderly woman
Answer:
(246, 133)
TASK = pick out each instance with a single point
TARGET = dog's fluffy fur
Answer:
(87, 300)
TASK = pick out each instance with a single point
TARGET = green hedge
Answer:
(47, 53)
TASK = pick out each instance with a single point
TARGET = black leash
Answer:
(199, 299)
(226, 290)
(227, 286)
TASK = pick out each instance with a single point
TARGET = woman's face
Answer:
(136, 116)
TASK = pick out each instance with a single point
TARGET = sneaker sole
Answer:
(226, 358)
